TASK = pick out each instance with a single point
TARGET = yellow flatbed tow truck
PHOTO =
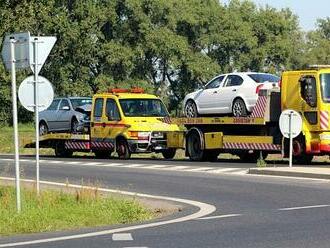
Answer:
(204, 138)
(305, 91)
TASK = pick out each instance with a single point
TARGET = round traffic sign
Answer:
(45, 93)
(296, 123)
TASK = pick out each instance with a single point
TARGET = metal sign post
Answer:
(36, 105)
(290, 125)
(14, 100)
(30, 52)
(291, 139)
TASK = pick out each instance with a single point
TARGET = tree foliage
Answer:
(168, 47)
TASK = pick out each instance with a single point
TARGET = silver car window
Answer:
(54, 105)
(64, 103)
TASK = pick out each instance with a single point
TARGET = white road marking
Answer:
(110, 165)
(177, 167)
(55, 162)
(92, 163)
(219, 216)
(134, 165)
(211, 170)
(135, 247)
(122, 237)
(222, 170)
(73, 162)
(304, 207)
(201, 169)
(156, 166)
(204, 210)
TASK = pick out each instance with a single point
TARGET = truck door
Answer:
(98, 120)
(113, 127)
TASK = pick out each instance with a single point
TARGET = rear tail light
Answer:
(258, 88)
(280, 83)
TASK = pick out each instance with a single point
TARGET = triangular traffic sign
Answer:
(45, 45)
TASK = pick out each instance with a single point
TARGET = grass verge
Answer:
(26, 134)
(58, 210)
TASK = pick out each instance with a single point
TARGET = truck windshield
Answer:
(325, 87)
(143, 107)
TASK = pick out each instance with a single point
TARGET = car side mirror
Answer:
(65, 108)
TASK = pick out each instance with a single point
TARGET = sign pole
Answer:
(14, 100)
(290, 135)
(36, 105)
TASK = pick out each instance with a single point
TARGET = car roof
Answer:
(73, 97)
(244, 73)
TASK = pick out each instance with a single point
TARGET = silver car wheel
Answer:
(191, 109)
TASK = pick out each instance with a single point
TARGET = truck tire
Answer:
(169, 153)
(193, 146)
(122, 149)
(299, 155)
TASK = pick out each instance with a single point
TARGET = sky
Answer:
(307, 10)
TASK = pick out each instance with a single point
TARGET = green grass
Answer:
(26, 134)
(55, 210)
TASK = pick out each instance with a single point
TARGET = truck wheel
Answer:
(123, 149)
(61, 152)
(169, 153)
(239, 108)
(299, 155)
(194, 149)
(43, 128)
(102, 154)
(190, 110)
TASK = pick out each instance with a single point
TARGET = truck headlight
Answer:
(140, 135)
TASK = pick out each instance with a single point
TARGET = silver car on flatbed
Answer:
(65, 114)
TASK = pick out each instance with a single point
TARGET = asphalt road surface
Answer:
(251, 211)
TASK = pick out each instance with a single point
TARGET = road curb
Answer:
(288, 173)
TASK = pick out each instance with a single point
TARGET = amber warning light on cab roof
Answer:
(119, 90)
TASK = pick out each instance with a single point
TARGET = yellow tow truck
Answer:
(306, 91)
(122, 121)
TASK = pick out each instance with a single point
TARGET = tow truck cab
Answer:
(129, 121)
(308, 92)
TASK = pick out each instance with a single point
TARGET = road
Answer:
(251, 211)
